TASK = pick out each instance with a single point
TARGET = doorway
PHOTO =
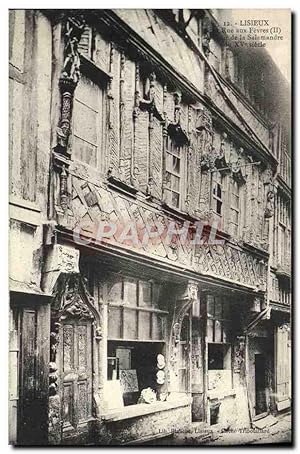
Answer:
(260, 384)
(75, 351)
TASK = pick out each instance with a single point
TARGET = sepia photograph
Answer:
(150, 227)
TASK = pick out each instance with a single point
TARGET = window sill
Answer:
(220, 394)
(133, 411)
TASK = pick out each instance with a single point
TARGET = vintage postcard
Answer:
(150, 227)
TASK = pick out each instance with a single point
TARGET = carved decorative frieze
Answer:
(233, 262)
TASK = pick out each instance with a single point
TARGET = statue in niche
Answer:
(205, 137)
(269, 210)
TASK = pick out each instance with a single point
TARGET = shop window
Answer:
(136, 336)
(134, 365)
(219, 348)
(133, 310)
(218, 324)
(174, 184)
(87, 122)
(219, 357)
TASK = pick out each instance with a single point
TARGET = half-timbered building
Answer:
(125, 125)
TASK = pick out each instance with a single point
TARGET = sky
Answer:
(280, 51)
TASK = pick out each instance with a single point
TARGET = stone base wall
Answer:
(138, 429)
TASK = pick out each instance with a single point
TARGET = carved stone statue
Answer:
(269, 210)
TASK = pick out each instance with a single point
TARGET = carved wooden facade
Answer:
(137, 134)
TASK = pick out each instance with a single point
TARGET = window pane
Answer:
(218, 331)
(196, 309)
(87, 92)
(130, 328)
(215, 357)
(226, 331)
(157, 327)
(176, 150)
(176, 165)
(175, 199)
(210, 305)
(210, 330)
(114, 289)
(167, 197)
(219, 191)
(218, 307)
(145, 294)
(176, 183)
(156, 288)
(219, 206)
(86, 121)
(168, 180)
(130, 292)
(169, 160)
(144, 325)
(114, 323)
(85, 152)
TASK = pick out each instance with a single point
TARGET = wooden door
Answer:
(76, 374)
(34, 329)
(260, 384)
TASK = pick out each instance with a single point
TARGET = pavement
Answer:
(278, 432)
(202, 434)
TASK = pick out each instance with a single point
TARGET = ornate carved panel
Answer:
(226, 261)
(75, 326)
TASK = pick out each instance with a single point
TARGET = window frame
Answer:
(100, 123)
(181, 156)
(221, 319)
(138, 309)
(237, 209)
(217, 179)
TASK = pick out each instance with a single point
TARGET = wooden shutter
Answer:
(282, 364)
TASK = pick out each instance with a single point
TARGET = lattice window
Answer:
(218, 310)
(174, 184)
(235, 207)
(133, 310)
(217, 193)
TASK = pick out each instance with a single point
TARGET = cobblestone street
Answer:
(201, 434)
(280, 432)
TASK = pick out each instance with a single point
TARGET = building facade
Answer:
(150, 227)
